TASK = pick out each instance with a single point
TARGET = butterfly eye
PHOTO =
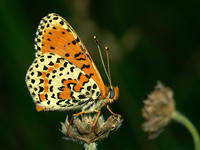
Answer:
(111, 93)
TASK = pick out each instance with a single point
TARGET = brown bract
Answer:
(157, 110)
(82, 130)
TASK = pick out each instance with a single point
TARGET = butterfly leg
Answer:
(118, 115)
(73, 119)
(94, 124)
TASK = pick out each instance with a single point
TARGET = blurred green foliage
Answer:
(148, 40)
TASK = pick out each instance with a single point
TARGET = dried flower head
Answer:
(82, 130)
(157, 110)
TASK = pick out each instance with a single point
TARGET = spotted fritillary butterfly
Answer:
(63, 75)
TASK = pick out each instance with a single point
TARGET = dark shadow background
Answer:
(149, 41)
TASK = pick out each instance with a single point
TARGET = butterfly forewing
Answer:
(55, 35)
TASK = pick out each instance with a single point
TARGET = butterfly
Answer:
(63, 75)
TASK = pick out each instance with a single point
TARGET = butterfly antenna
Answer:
(108, 62)
(108, 76)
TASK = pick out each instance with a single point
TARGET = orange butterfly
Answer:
(63, 75)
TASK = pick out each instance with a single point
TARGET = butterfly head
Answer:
(113, 93)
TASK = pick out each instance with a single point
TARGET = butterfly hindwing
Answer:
(57, 84)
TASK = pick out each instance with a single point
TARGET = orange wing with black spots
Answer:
(55, 35)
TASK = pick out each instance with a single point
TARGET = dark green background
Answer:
(148, 40)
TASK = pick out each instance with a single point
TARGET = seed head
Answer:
(157, 110)
(82, 130)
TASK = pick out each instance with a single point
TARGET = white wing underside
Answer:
(65, 71)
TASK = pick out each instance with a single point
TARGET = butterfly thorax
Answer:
(97, 104)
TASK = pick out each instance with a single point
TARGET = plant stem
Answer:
(91, 146)
(183, 120)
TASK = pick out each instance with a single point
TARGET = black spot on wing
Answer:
(68, 30)
(75, 101)
(51, 89)
(78, 54)
(41, 89)
(55, 18)
(51, 63)
(85, 66)
(60, 101)
(89, 57)
(45, 68)
(50, 81)
(47, 75)
(46, 96)
(67, 101)
(69, 85)
(51, 47)
(61, 88)
(39, 74)
(81, 96)
(85, 82)
(79, 76)
(63, 80)
(89, 88)
(91, 74)
(53, 96)
(72, 69)
(87, 76)
(66, 55)
(81, 59)
(41, 81)
(32, 81)
(74, 42)
(58, 60)
(61, 68)
(65, 64)
(94, 86)
(61, 22)
(77, 39)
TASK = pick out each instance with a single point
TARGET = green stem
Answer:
(91, 146)
(183, 120)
